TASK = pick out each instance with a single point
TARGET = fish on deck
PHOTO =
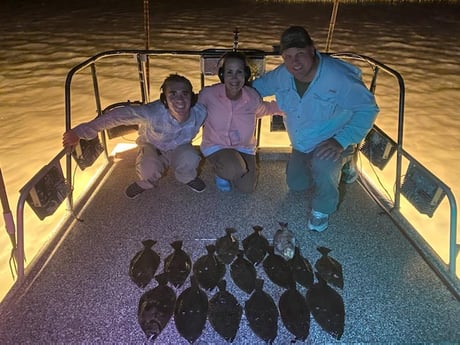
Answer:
(302, 271)
(243, 273)
(295, 313)
(208, 269)
(327, 307)
(227, 246)
(277, 269)
(284, 242)
(262, 313)
(156, 307)
(255, 245)
(191, 311)
(144, 264)
(225, 312)
(329, 268)
(177, 265)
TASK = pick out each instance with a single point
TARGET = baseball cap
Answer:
(295, 37)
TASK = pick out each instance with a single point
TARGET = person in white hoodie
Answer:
(167, 127)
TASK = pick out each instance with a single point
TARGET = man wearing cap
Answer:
(328, 111)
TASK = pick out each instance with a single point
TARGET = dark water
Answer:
(42, 40)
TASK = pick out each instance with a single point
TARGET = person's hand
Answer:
(329, 149)
(70, 140)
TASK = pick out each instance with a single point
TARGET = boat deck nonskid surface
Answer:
(84, 293)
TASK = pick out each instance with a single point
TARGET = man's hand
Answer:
(329, 149)
(70, 140)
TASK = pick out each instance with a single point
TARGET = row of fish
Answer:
(283, 264)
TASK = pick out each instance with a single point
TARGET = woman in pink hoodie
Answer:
(228, 141)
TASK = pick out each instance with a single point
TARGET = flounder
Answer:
(225, 312)
(227, 246)
(144, 264)
(177, 265)
(329, 268)
(277, 269)
(262, 313)
(208, 270)
(243, 273)
(191, 311)
(156, 308)
(327, 307)
(295, 313)
(255, 245)
(284, 242)
(302, 270)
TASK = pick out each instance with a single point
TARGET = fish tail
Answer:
(324, 250)
(177, 245)
(149, 243)
(257, 228)
(230, 231)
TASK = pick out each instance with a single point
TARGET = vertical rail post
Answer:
(9, 223)
(147, 39)
(332, 25)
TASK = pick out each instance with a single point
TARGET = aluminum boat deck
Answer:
(81, 292)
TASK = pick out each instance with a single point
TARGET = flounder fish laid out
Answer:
(191, 311)
(329, 268)
(227, 246)
(295, 313)
(277, 269)
(208, 270)
(144, 264)
(327, 307)
(262, 313)
(302, 271)
(225, 312)
(284, 242)
(177, 265)
(156, 308)
(255, 245)
(243, 273)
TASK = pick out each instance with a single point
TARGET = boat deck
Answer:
(82, 294)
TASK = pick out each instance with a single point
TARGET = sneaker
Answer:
(222, 184)
(197, 185)
(318, 221)
(349, 172)
(134, 190)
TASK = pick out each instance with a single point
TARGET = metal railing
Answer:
(212, 56)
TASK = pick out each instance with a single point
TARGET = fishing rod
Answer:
(9, 225)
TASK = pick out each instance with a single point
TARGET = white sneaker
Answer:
(318, 221)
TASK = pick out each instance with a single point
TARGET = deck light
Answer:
(421, 189)
(378, 148)
(48, 192)
(86, 152)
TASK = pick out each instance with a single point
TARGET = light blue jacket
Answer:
(336, 105)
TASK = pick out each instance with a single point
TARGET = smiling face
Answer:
(179, 99)
(301, 62)
(234, 77)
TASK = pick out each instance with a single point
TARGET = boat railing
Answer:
(209, 60)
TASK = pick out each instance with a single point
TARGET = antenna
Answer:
(235, 39)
